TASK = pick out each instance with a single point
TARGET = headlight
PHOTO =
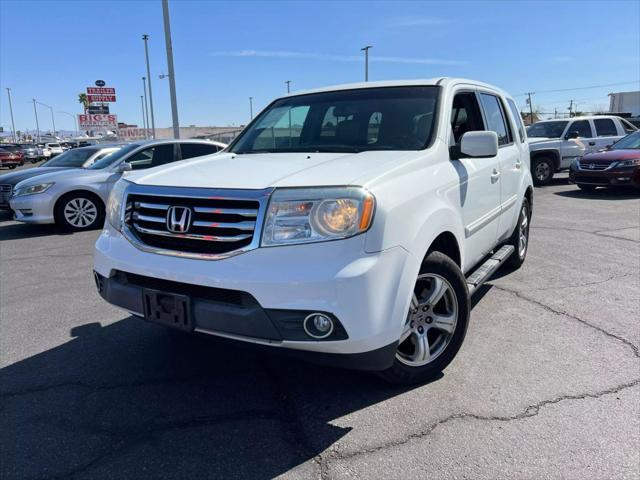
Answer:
(627, 163)
(114, 204)
(32, 189)
(306, 215)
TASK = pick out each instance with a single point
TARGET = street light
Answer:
(172, 73)
(366, 61)
(53, 121)
(13, 125)
(35, 111)
(146, 107)
(74, 119)
(251, 107)
(144, 123)
(288, 82)
(145, 37)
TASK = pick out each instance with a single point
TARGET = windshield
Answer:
(630, 142)
(113, 157)
(388, 118)
(71, 158)
(53, 145)
(12, 148)
(547, 129)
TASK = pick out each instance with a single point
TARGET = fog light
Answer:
(318, 325)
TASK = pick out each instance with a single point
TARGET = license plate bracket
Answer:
(168, 309)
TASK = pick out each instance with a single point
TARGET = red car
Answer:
(618, 165)
(11, 159)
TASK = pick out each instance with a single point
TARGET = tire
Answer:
(34, 161)
(520, 237)
(79, 211)
(587, 188)
(542, 170)
(11, 167)
(443, 323)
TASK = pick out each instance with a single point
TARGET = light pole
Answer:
(146, 107)
(145, 37)
(75, 120)
(288, 82)
(251, 107)
(172, 75)
(13, 125)
(53, 121)
(144, 123)
(366, 61)
(35, 110)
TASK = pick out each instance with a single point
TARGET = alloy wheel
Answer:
(431, 322)
(80, 212)
(542, 171)
(523, 232)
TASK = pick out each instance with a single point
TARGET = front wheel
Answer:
(436, 323)
(79, 211)
(520, 237)
(11, 167)
(542, 169)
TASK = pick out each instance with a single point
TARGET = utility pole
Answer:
(146, 107)
(13, 125)
(172, 75)
(251, 107)
(75, 120)
(53, 121)
(144, 123)
(570, 108)
(366, 61)
(35, 110)
(530, 106)
(288, 82)
(145, 37)
(555, 113)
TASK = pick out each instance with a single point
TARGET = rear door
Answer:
(479, 179)
(191, 150)
(606, 132)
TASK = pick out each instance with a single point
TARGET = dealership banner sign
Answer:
(101, 94)
(131, 133)
(98, 121)
(101, 98)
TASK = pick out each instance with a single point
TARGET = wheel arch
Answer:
(551, 153)
(82, 191)
(446, 243)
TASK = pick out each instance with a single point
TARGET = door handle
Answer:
(592, 143)
(518, 165)
(495, 176)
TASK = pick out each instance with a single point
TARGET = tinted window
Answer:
(605, 127)
(53, 145)
(582, 127)
(190, 150)
(344, 121)
(465, 115)
(495, 118)
(152, 157)
(114, 156)
(518, 119)
(547, 129)
(628, 128)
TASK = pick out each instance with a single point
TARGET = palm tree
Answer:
(84, 100)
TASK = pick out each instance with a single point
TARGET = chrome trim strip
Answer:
(152, 206)
(147, 218)
(227, 211)
(237, 225)
(490, 216)
(261, 196)
(509, 203)
(190, 236)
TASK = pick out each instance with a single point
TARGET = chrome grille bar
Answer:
(227, 211)
(239, 225)
(192, 236)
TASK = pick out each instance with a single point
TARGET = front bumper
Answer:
(33, 208)
(604, 178)
(368, 293)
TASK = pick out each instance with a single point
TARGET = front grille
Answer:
(594, 165)
(5, 193)
(218, 225)
(596, 179)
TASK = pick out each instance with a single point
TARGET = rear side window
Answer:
(152, 157)
(518, 119)
(495, 118)
(628, 128)
(190, 150)
(605, 127)
(582, 127)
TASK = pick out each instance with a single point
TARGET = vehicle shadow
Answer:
(619, 193)
(129, 400)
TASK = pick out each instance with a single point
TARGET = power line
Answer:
(580, 88)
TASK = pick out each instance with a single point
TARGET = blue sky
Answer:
(225, 52)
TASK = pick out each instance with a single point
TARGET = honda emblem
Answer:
(178, 219)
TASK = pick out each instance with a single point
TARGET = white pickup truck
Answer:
(555, 144)
(349, 225)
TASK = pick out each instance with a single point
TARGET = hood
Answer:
(263, 170)
(612, 155)
(14, 177)
(68, 175)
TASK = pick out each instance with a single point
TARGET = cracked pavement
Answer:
(546, 385)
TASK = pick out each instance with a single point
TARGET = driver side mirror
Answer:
(480, 144)
(123, 167)
(573, 134)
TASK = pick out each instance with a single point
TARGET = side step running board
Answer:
(488, 268)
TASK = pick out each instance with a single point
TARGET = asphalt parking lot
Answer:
(546, 385)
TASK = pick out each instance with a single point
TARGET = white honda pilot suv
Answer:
(349, 225)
